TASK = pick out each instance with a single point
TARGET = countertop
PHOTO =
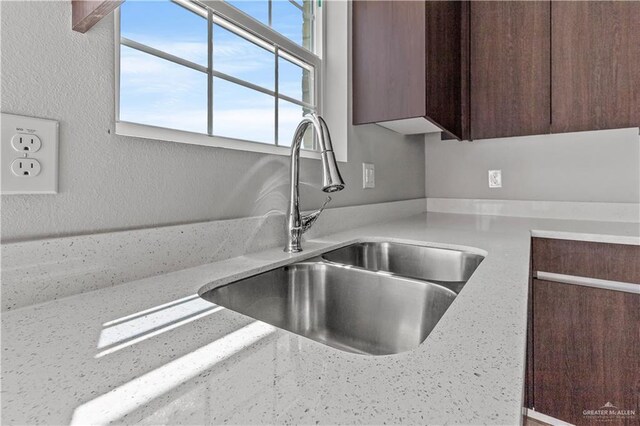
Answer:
(152, 351)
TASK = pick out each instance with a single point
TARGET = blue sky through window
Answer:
(240, 58)
(286, 18)
(158, 92)
(290, 79)
(166, 26)
(242, 113)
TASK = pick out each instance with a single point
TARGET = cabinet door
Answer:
(510, 70)
(596, 65)
(585, 351)
(447, 40)
(388, 60)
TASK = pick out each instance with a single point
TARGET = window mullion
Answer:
(297, 5)
(209, 72)
(161, 54)
(297, 102)
(276, 109)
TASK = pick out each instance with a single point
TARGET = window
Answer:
(233, 71)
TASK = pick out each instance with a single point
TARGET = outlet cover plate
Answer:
(45, 182)
(495, 178)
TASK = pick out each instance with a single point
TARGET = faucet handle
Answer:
(309, 219)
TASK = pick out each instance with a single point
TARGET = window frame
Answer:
(224, 14)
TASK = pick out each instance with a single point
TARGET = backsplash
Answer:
(598, 166)
(42, 270)
(603, 212)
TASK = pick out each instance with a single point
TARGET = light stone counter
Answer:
(152, 351)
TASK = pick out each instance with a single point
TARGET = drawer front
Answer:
(615, 262)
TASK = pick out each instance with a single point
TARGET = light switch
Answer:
(29, 148)
(368, 175)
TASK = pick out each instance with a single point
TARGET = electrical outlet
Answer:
(495, 178)
(29, 155)
(25, 167)
(25, 142)
(368, 175)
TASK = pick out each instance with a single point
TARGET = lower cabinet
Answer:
(584, 346)
(586, 352)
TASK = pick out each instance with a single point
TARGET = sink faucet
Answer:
(331, 180)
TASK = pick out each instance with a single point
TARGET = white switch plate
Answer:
(368, 175)
(495, 178)
(44, 134)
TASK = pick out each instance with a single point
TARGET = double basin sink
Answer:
(368, 298)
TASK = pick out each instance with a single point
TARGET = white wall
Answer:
(112, 182)
(586, 166)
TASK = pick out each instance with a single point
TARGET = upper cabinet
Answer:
(487, 69)
(510, 68)
(595, 49)
(407, 65)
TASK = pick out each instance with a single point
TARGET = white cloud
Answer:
(254, 124)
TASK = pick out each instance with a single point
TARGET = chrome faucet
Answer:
(331, 180)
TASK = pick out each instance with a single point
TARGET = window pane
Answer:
(238, 57)
(166, 26)
(161, 93)
(294, 81)
(257, 9)
(289, 116)
(242, 113)
(293, 19)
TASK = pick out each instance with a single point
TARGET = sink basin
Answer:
(450, 268)
(351, 309)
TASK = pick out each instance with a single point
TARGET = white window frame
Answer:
(254, 31)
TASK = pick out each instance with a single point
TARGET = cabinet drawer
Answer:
(615, 262)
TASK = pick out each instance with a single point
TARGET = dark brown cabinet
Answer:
(583, 353)
(586, 352)
(595, 65)
(407, 59)
(510, 68)
(613, 262)
(488, 69)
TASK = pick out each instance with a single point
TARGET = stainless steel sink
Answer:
(347, 308)
(368, 298)
(450, 268)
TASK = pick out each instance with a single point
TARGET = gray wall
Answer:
(112, 182)
(599, 166)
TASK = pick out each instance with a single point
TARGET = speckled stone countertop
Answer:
(152, 351)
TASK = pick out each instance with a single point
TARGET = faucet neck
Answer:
(295, 225)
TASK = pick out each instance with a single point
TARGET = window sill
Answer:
(124, 128)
